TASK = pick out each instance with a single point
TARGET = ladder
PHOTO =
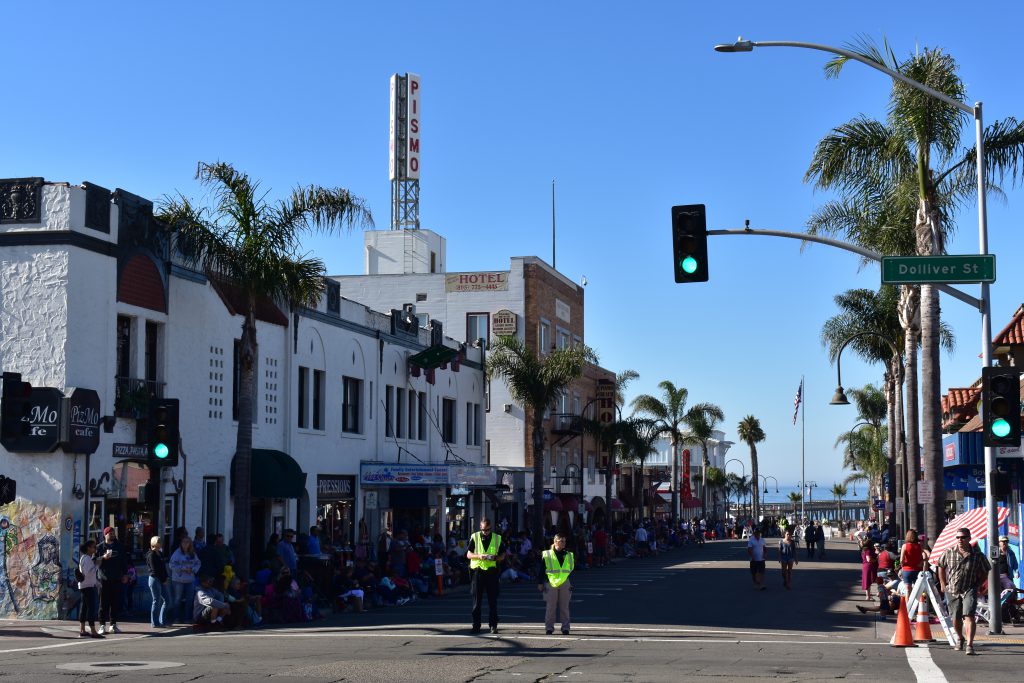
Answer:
(926, 583)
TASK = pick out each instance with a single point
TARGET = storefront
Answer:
(335, 509)
(275, 480)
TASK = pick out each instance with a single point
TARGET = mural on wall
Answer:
(30, 570)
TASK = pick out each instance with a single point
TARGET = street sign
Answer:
(902, 270)
(926, 492)
(879, 504)
(132, 451)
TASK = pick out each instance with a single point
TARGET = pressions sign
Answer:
(335, 486)
(476, 282)
(504, 323)
(402, 474)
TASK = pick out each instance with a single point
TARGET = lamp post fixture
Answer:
(765, 480)
(744, 469)
(996, 623)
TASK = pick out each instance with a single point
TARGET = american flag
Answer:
(976, 520)
(796, 401)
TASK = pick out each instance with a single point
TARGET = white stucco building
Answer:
(348, 430)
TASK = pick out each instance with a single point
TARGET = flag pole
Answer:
(803, 440)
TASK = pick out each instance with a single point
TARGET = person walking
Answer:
(553, 581)
(868, 568)
(159, 583)
(810, 536)
(819, 539)
(787, 558)
(962, 570)
(88, 586)
(911, 559)
(113, 569)
(485, 551)
(185, 565)
(756, 551)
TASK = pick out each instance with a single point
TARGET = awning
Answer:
(690, 502)
(976, 520)
(433, 357)
(275, 474)
(617, 505)
(553, 505)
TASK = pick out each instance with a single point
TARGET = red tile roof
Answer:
(1012, 333)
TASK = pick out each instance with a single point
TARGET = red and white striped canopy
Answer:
(976, 520)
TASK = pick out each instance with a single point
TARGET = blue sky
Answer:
(627, 106)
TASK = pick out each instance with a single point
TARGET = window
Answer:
(577, 341)
(318, 399)
(448, 420)
(487, 396)
(152, 339)
(421, 297)
(472, 424)
(543, 337)
(575, 404)
(236, 382)
(212, 522)
(400, 412)
(389, 410)
(433, 262)
(591, 468)
(352, 391)
(563, 339)
(124, 346)
(413, 414)
(477, 327)
(423, 416)
(303, 411)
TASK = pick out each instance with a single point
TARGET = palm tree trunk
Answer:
(608, 488)
(242, 476)
(538, 477)
(900, 452)
(755, 479)
(910, 319)
(931, 382)
(675, 481)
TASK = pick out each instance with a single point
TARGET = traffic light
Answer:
(15, 410)
(1000, 406)
(690, 243)
(162, 442)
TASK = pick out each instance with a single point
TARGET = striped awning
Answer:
(976, 520)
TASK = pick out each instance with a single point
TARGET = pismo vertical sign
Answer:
(412, 156)
(404, 129)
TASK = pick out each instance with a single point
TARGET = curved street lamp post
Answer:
(744, 469)
(996, 624)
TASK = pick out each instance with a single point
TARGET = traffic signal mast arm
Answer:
(839, 244)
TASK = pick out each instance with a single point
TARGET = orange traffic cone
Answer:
(902, 637)
(922, 631)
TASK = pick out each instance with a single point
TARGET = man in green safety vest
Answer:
(486, 550)
(553, 581)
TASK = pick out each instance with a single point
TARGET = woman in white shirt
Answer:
(89, 588)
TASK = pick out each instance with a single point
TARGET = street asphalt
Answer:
(686, 615)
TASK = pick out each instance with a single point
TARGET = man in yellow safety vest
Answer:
(486, 550)
(553, 581)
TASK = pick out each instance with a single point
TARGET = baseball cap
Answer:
(1004, 538)
(107, 530)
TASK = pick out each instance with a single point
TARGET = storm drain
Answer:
(117, 666)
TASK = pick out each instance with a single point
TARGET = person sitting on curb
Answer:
(209, 607)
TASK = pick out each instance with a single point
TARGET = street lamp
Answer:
(765, 479)
(996, 623)
(744, 469)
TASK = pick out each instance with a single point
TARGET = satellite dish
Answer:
(583, 281)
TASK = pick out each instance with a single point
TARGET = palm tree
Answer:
(536, 383)
(622, 380)
(641, 436)
(717, 481)
(865, 455)
(917, 153)
(795, 499)
(671, 413)
(253, 245)
(735, 485)
(702, 425)
(750, 432)
(839, 492)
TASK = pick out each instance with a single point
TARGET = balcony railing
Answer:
(132, 396)
(566, 423)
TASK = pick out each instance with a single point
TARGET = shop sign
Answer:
(131, 450)
(335, 486)
(82, 411)
(402, 474)
(476, 282)
(504, 323)
(472, 476)
(370, 500)
(43, 418)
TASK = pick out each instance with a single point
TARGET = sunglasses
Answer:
(962, 538)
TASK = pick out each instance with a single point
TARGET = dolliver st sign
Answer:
(938, 269)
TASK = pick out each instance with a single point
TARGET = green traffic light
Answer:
(161, 451)
(1000, 428)
(689, 265)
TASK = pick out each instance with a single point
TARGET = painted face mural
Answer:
(29, 560)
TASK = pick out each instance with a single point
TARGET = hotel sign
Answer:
(476, 282)
(504, 323)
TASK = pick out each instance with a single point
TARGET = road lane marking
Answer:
(90, 641)
(581, 625)
(923, 666)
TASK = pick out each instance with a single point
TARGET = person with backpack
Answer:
(86, 574)
(159, 583)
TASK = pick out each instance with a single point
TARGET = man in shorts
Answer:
(756, 550)
(962, 570)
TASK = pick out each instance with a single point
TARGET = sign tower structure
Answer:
(404, 149)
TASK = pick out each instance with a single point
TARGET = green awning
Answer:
(275, 474)
(434, 357)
